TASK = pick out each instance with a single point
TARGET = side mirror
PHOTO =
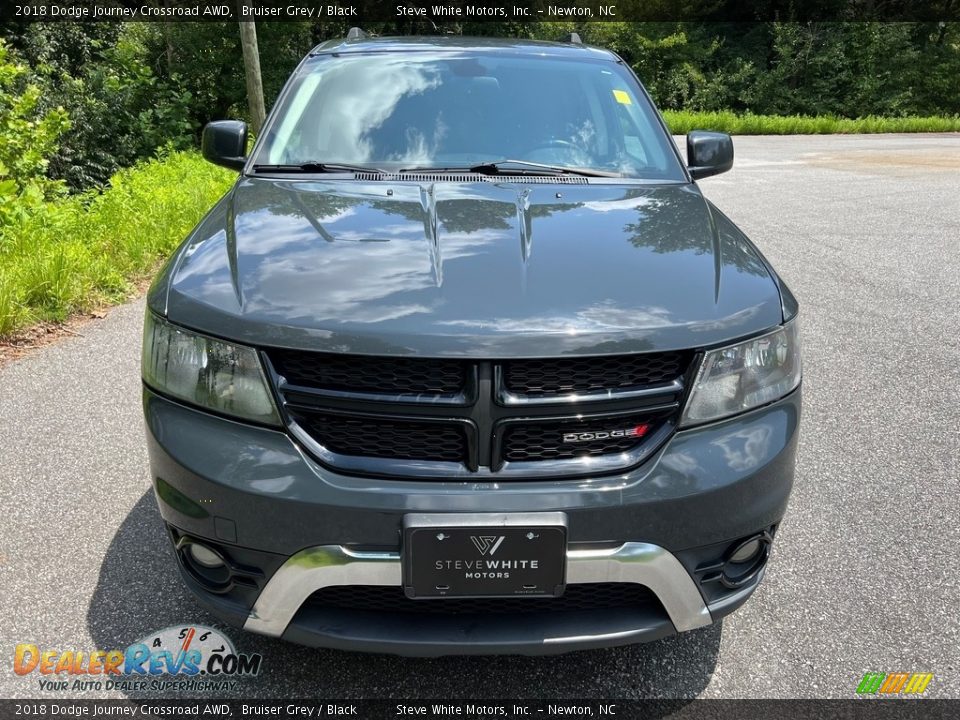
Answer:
(708, 153)
(225, 143)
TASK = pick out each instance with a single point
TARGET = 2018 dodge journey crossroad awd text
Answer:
(465, 362)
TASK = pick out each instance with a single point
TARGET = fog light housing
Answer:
(745, 560)
(746, 552)
(204, 555)
(205, 564)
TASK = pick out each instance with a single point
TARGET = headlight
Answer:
(744, 376)
(210, 373)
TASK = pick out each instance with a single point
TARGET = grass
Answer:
(82, 252)
(682, 122)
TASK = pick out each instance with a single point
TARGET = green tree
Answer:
(28, 138)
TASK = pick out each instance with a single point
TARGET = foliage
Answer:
(120, 109)
(207, 61)
(681, 122)
(828, 68)
(121, 112)
(27, 139)
(79, 252)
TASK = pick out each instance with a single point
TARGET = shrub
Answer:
(82, 251)
(27, 140)
(681, 122)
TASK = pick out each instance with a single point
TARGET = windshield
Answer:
(456, 110)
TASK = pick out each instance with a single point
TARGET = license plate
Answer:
(517, 556)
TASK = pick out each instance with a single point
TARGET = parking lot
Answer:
(864, 229)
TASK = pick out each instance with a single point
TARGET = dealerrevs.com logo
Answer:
(180, 657)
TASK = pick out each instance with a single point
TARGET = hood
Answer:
(468, 269)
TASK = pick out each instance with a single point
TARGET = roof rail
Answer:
(574, 38)
(356, 34)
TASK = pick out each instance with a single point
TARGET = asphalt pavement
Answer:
(864, 229)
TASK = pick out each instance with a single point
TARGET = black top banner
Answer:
(462, 11)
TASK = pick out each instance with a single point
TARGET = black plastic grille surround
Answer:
(386, 438)
(546, 440)
(555, 377)
(360, 373)
(391, 599)
(455, 419)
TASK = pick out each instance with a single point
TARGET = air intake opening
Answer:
(576, 597)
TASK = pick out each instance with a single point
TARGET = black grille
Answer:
(414, 417)
(388, 599)
(545, 440)
(375, 437)
(562, 376)
(360, 373)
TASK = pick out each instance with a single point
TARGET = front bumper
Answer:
(256, 495)
(648, 565)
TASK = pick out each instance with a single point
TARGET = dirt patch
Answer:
(23, 342)
(892, 162)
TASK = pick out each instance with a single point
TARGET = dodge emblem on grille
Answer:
(637, 431)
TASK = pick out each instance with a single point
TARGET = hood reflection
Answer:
(487, 267)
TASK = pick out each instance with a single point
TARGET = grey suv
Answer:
(465, 362)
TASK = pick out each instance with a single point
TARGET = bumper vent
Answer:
(389, 599)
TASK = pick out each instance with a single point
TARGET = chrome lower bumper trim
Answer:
(319, 567)
(648, 565)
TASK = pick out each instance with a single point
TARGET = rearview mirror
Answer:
(224, 143)
(708, 153)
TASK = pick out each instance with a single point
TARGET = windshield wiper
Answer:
(495, 168)
(313, 166)
(503, 167)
